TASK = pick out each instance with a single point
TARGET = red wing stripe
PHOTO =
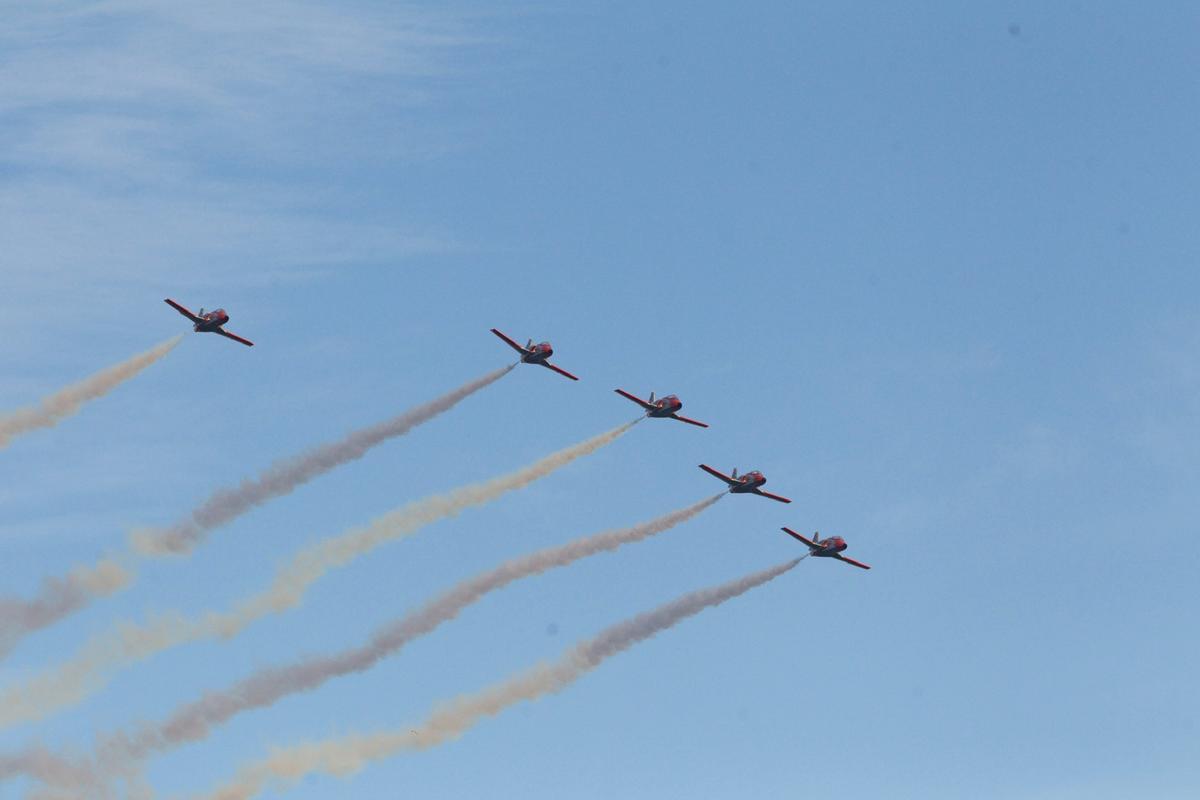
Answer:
(510, 342)
(772, 496)
(234, 336)
(695, 422)
(635, 399)
(795, 535)
(858, 564)
(559, 370)
(181, 310)
(716, 474)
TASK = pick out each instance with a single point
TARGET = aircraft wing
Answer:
(233, 336)
(811, 544)
(181, 310)
(559, 370)
(771, 496)
(635, 399)
(695, 422)
(716, 474)
(510, 342)
(858, 564)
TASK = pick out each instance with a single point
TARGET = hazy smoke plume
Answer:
(194, 720)
(128, 643)
(57, 598)
(60, 597)
(65, 403)
(348, 755)
(61, 775)
(284, 476)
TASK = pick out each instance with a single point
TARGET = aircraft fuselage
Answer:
(666, 407)
(538, 353)
(211, 321)
(827, 548)
(748, 483)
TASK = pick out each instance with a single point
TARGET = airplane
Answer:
(747, 484)
(826, 548)
(210, 322)
(535, 354)
(662, 407)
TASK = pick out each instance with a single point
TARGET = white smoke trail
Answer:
(60, 597)
(194, 720)
(57, 598)
(119, 754)
(283, 477)
(348, 755)
(60, 405)
(128, 643)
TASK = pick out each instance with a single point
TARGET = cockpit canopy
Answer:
(669, 400)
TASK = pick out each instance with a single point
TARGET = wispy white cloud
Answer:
(140, 140)
(214, 63)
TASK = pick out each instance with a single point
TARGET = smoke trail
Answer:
(348, 755)
(60, 597)
(57, 598)
(284, 476)
(59, 406)
(63, 774)
(194, 720)
(75, 679)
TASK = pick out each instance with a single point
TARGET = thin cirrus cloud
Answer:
(136, 132)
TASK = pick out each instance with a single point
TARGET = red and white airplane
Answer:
(662, 407)
(210, 322)
(746, 484)
(535, 354)
(826, 548)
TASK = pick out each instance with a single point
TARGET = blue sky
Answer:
(931, 269)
